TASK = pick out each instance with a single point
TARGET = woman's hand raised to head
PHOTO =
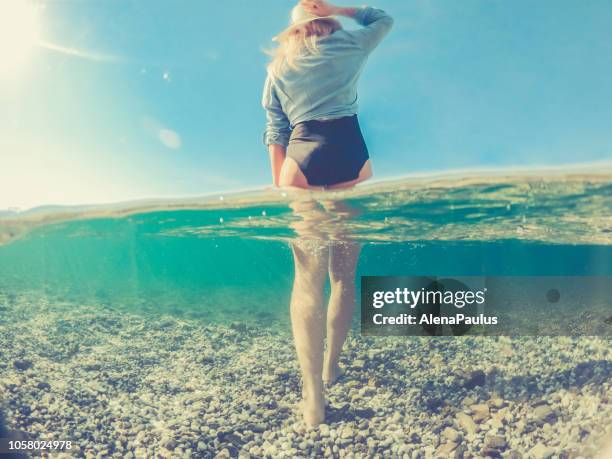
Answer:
(323, 8)
(319, 7)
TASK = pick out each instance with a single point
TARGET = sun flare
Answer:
(18, 34)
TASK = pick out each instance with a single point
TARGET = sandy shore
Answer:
(124, 386)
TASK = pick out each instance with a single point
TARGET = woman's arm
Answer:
(323, 8)
(376, 22)
(278, 130)
(277, 158)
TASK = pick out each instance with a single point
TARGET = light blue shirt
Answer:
(325, 85)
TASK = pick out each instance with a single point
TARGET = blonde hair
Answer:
(292, 43)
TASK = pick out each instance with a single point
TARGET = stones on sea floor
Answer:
(543, 414)
(460, 452)
(451, 434)
(445, 449)
(434, 403)
(257, 427)
(23, 365)
(201, 406)
(467, 423)
(487, 451)
(497, 402)
(541, 451)
(281, 373)
(223, 454)
(497, 420)
(480, 412)
(206, 359)
(240, 327)
(230, 437)
(495, 442)
(474, 379)
(346, 432)
(92, 367)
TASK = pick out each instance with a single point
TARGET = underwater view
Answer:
(162, 328)
(303, 229)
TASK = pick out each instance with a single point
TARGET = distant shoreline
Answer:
(595, 169)
(15, 224)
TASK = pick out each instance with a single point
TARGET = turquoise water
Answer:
(161, 328)
(228, 257)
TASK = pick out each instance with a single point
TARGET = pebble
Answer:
(445, 449)
(540, 451)
(496, 442)
(282, 373)
(487, 451)
(451, 434)
(23, 364)
(497, 402)
(467, 423)
(148, 395)
(475, 378)
(543, 414)
(346, 432)
(480, 412)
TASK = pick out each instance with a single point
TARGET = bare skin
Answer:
(291, 176)
(314, 260)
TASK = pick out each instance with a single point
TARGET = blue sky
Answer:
(125, 99)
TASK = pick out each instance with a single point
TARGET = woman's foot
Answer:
(331, 373)
(313, 407)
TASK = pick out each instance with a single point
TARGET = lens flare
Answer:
(19, 30)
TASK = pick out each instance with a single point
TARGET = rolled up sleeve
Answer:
(376, 25)
(278, 129)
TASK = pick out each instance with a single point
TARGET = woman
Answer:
(310, 96)
(315, 142)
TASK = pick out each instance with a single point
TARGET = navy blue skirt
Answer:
(328, 151)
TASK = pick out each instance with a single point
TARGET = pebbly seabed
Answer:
(125, 385)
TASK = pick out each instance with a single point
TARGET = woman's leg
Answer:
(343, 259)
(307, 321)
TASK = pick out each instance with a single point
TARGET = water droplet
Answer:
(508, 206)
(263, 212)
(221, 220)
